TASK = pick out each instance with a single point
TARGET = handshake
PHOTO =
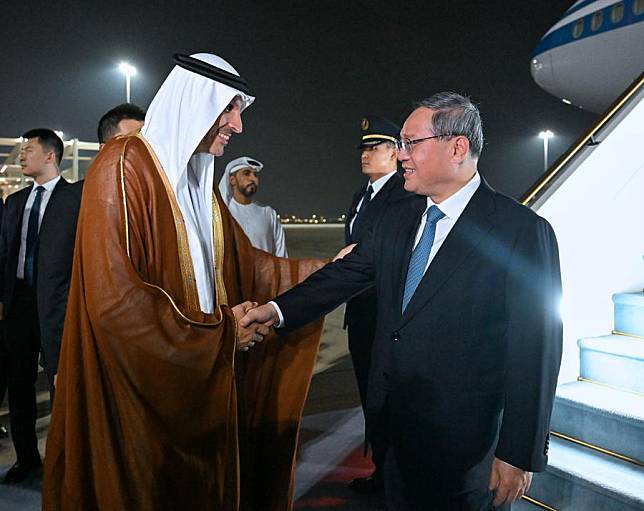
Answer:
(253, 323)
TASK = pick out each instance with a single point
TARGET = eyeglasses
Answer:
(404, 144)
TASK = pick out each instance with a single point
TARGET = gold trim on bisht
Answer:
(185, 259)
(182, 241)
(546, 179)
(218, 240)
(125, 215)
(594, 447)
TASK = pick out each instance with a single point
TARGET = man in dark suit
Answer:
(468, 344)
(36, 248)
(379, 163)
(56, 244)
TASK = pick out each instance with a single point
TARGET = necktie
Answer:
(420, 255)
(366, 198)
(32, 236)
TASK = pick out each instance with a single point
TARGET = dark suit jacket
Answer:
(361, 309)
(476, 354)
(53, 264)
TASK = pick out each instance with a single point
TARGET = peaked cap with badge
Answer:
(376, 130)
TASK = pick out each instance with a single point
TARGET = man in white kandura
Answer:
(238, 185)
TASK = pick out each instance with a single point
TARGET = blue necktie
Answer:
(420, 255)
(32, 236)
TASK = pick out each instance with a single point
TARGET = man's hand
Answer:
(509, 483)
(247, 336)
(264, 315)
(346, 250)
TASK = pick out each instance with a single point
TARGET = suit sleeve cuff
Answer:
(280, 324)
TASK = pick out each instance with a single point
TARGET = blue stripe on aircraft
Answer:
(575, 8)
(563, 35)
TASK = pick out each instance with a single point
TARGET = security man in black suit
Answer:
(379, 163)
(36, 249)
(468, 345)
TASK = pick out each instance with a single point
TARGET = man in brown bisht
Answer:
(155, 410)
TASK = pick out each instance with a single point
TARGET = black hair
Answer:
(49, 140)
(108, 125)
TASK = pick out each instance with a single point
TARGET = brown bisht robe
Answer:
(146, 413)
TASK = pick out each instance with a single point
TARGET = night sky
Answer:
(316, 68)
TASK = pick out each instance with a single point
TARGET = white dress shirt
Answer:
(377, 186)
(452, 207)
(49, 188)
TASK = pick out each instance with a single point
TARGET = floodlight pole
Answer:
(128, 71)
(127, 89)
(545, 135)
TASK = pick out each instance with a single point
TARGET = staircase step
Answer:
(580, 479)
(616, 360)
(601, 416)
(629, 313)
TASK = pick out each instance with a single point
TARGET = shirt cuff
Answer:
(279, 313)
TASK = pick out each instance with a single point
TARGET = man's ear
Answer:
(232, 180)
(461, 148)
(51, 157)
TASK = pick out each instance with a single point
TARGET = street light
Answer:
(545, 135)
(129, 71)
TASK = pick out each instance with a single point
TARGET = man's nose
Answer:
(235, 122)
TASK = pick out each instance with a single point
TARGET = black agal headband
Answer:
(209, 71)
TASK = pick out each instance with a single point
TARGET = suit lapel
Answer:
(373, 208)
(14, 243)
(470, 229)
(391, 191)
(22, 202)
(348, 238)
(62, 183)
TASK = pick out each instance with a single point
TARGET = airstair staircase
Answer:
(596, 457)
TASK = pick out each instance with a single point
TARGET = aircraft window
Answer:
(578, 28)
(617, 14)
(638, 7)
(598, 19)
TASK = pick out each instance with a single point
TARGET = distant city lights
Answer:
(313, 219)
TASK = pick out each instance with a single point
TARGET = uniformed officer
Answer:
(379, 164)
